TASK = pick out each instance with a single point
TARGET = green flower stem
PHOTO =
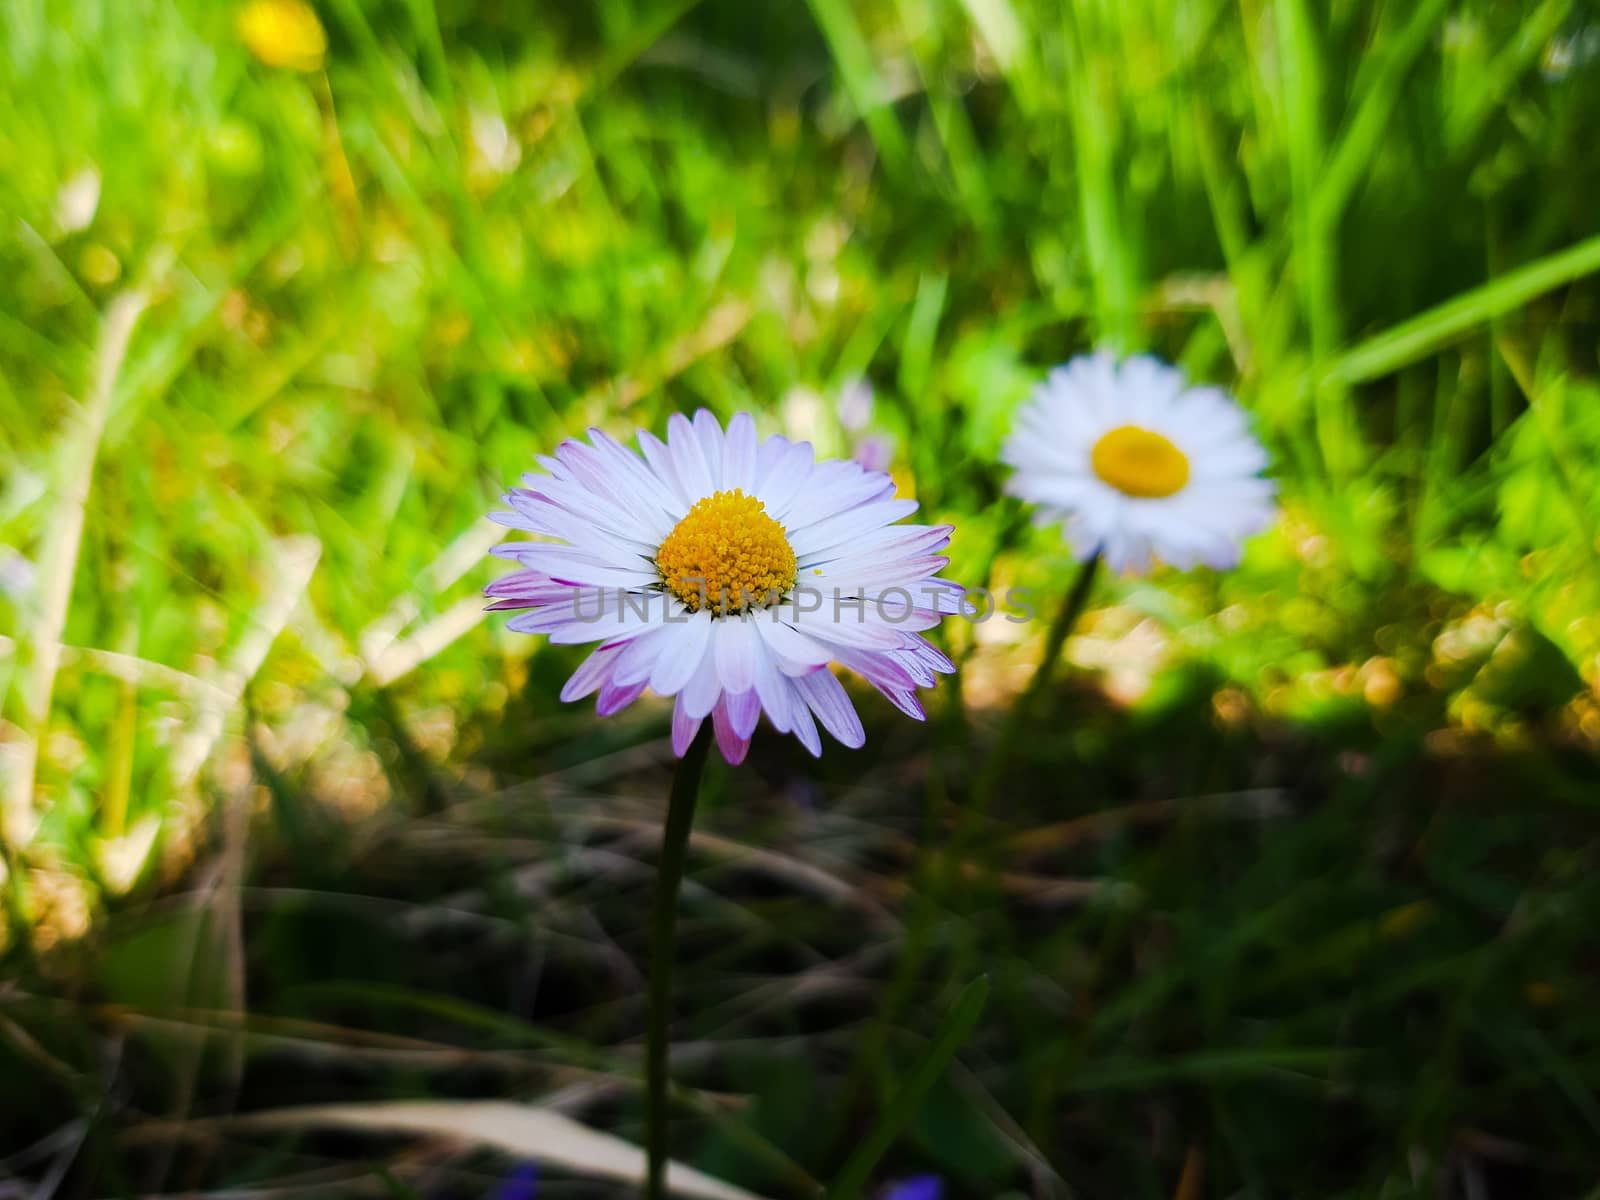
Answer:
(663, 929)
(1016, 720)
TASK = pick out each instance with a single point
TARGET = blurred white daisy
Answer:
(1138, 465)
(730, 575)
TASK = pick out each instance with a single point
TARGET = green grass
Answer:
(272, 343)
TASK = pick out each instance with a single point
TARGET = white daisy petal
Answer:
(688, 460)
(906, 702)
(680, 654)
(833, 488)
(709, 432)
(793, 651)
(614, 623)
(739, 454)
(601, 478)
(773, 689)
(580, 568)
(864, 634)
(789, 473)
(639, 479)
(584, 616)
(842, 527)
(639, 656)
(704, 689)
(826, 697)
(733, 647)
(889, 542)
(768, 454)
(660, 459)
(804, 727)
(874, 575)
(594, 671)
(572, 501)
(744, 711)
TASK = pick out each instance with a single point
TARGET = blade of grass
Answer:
(1000, 28)
(1465, 118)
(950, 1038)
(1096, 136)
(1425, 333)
(297, 559)
(59, 561)
(1316, 261)
(956, 135)
(1362, 138)
(862, 81)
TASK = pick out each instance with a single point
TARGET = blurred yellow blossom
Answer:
(283, 33)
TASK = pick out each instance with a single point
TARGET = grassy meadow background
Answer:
(1293, 888)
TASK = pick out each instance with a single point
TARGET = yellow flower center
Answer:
(1140, 462)
(728, 553)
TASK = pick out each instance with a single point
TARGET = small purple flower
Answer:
(16, 573)
(874, 453)
(854, 408)
(521, 1184)
(918, 1187)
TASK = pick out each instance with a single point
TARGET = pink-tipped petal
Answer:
(733, 746)
(684, 727)
(615, 698)
(596, 670)
(744, 712)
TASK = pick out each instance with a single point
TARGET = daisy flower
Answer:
(729, 574)
(1137, 464)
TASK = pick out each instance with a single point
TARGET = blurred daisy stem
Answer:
(1005, 745)
(663, 929)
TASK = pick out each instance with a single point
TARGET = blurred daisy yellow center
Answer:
(726, 547)
(1140, 462)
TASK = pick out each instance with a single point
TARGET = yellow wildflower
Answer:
(283, 33)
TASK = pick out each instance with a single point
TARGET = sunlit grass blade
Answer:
(1426, 333)
(58, 568)
(529, 1131)
(858, 71)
